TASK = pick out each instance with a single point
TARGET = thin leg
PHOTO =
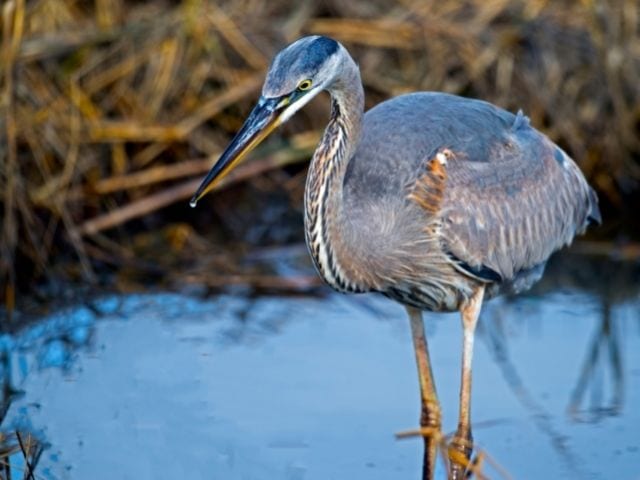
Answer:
(430, 407)
(462, 442)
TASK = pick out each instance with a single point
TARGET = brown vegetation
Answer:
(112, 110)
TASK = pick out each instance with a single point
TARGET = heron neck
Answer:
(326, 225)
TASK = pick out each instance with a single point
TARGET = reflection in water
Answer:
(605, 340)
(314, 388)
(609, 282)
(497, 340)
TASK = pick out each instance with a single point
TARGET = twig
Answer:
(13, 24)
(139, 208)
(378, 33)
(262, 282)
(25, 454)
(184, 191)
(149, 176)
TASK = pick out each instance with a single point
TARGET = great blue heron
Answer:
(433, 200)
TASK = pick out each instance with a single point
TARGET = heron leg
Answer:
(462, 443)
(430, 418)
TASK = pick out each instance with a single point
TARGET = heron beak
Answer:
(263, 119)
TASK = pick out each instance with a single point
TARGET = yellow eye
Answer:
(304, 85)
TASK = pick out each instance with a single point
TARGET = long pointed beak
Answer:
(262, 120)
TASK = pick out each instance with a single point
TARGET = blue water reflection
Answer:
(171, 386)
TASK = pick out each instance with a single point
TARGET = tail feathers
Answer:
(594, 216)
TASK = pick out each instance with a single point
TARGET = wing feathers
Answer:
(510, 213)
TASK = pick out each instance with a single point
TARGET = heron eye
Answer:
(304, 85)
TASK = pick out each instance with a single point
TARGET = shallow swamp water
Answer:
(181, 385)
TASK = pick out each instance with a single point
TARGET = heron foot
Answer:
(425, 432)
(459, 453)
(455, 450)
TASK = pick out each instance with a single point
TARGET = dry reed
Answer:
(112, 110)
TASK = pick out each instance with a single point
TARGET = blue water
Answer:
(162, 385)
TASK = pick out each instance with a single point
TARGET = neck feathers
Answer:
(325, 221)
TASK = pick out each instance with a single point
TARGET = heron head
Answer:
(296, 75)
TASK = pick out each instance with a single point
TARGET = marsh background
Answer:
(111, 112)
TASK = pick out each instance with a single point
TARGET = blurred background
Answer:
(112, 111)
(133, 324)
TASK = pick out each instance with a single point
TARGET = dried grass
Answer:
(22, 449)
(111, 110)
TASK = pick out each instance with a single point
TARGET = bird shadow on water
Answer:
(598, 392)
(613, 283)
(250, 345)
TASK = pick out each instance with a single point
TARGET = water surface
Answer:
(165, 385)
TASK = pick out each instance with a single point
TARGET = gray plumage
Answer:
(509, 197)
(434, 200)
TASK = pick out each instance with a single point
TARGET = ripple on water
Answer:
(170, 386)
